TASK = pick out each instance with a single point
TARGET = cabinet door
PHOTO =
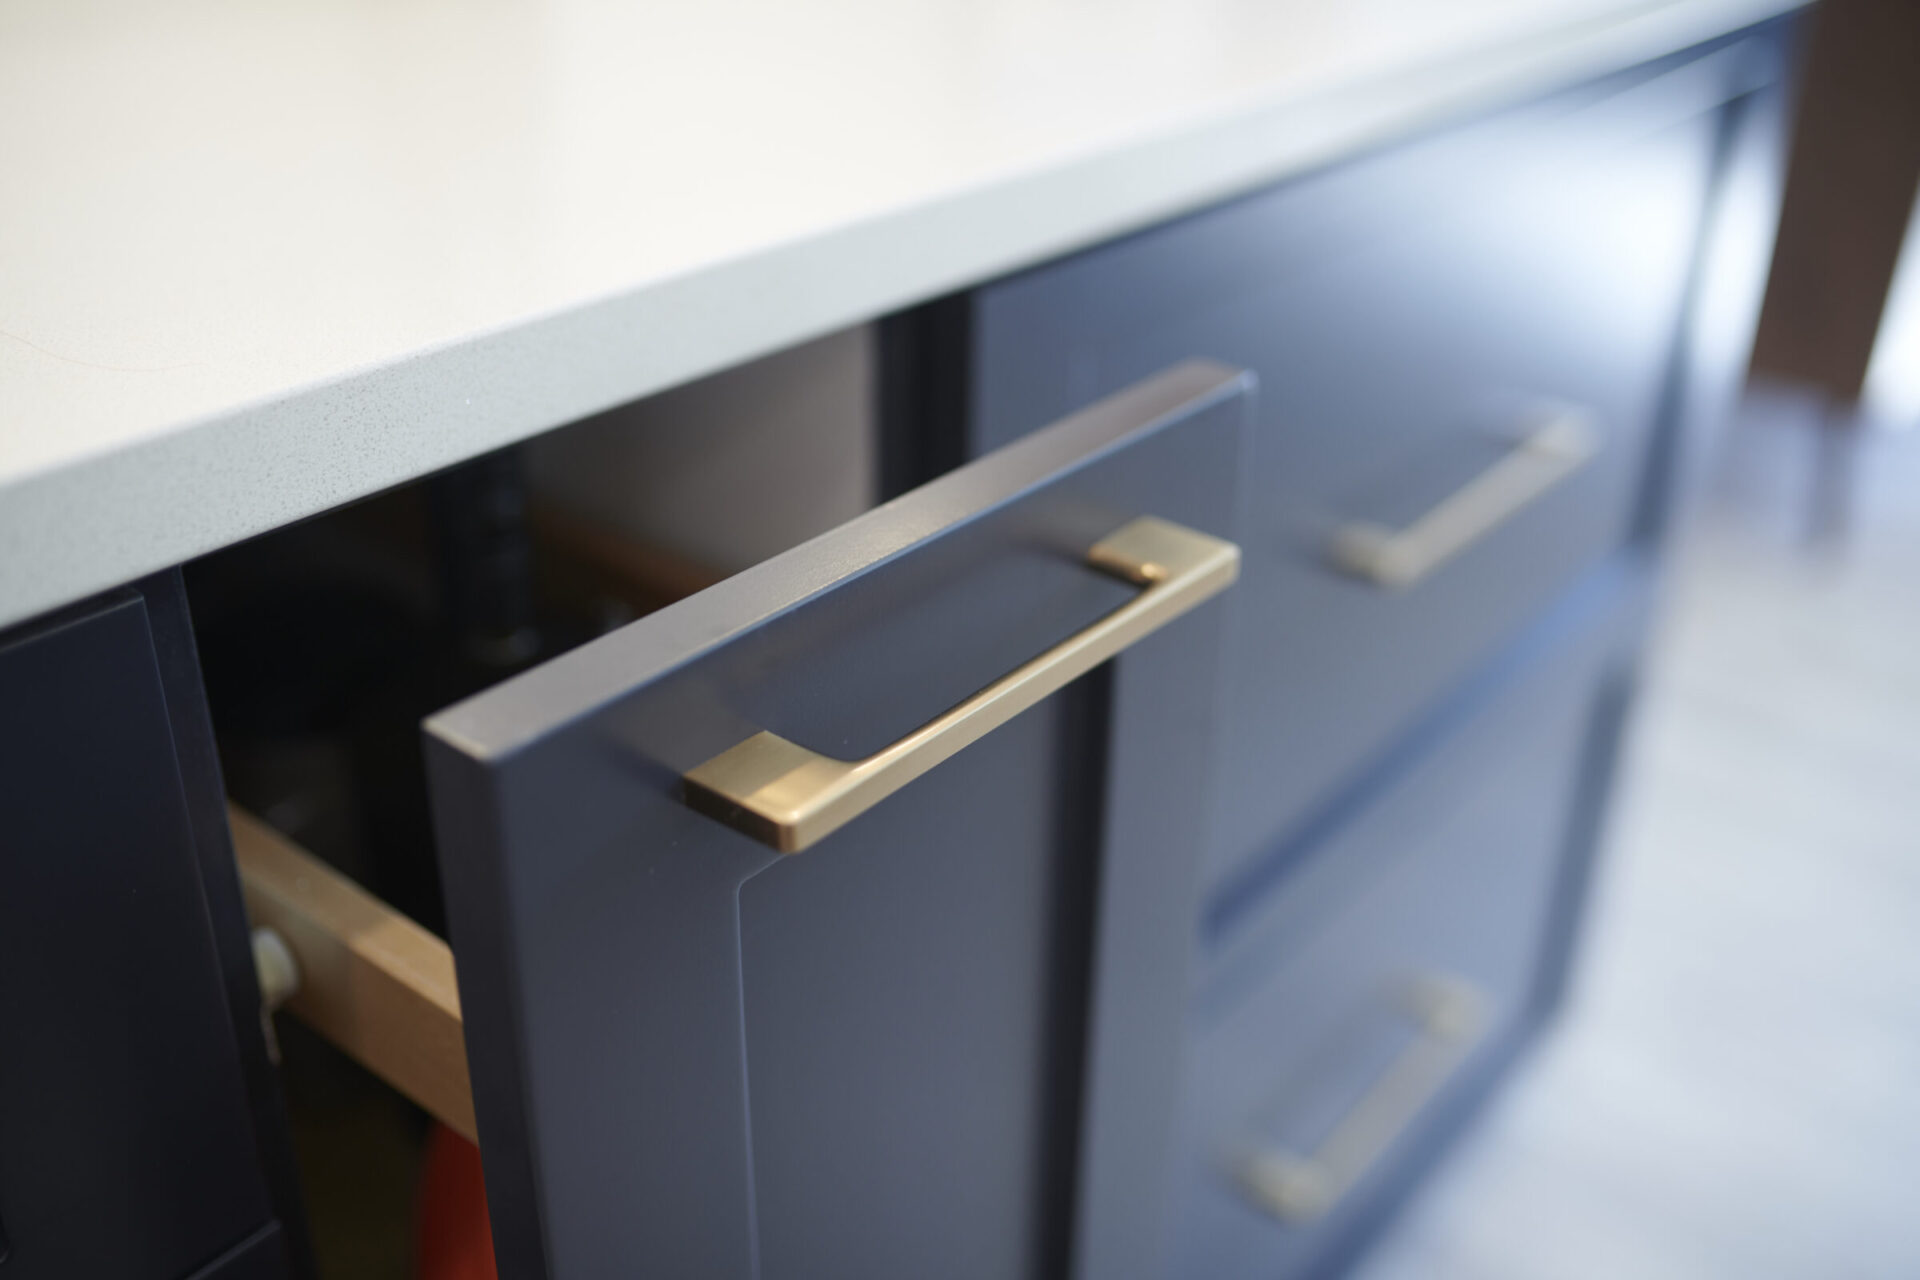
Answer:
(941, 1041)
(135, 1143)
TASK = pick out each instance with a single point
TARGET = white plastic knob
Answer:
(278, 971)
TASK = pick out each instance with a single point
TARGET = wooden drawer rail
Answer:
(372, 981)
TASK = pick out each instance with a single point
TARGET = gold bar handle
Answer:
(1451, 1016)
(789, 797)
(1541, 459)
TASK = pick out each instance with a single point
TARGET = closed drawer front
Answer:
(1350, 1012)
(126, 1147)
(1462, 348)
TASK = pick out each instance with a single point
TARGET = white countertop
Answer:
(257, 260)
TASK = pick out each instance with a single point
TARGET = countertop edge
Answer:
(101, 520)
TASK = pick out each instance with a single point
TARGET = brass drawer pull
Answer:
(788, 797)
(1451, 1017)
(1541, 459)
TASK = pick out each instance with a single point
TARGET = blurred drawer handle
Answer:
(1450, 1015)
(788, 797)
(1540, 460)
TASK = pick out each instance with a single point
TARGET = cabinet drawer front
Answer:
(1347, 1015)
(126, 1144)
(1462, 349)
(943, 1039)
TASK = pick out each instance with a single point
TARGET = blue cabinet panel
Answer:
(128, 1140)
(1349, 1014)
(1414, 318)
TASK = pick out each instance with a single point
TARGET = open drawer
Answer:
(944, 1039)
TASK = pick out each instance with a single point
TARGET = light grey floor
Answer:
(1735, 1090)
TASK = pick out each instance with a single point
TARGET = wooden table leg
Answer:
(1850, 189)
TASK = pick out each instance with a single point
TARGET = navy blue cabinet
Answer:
(139, 1126)
(1145, 921)
(951, 1038)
